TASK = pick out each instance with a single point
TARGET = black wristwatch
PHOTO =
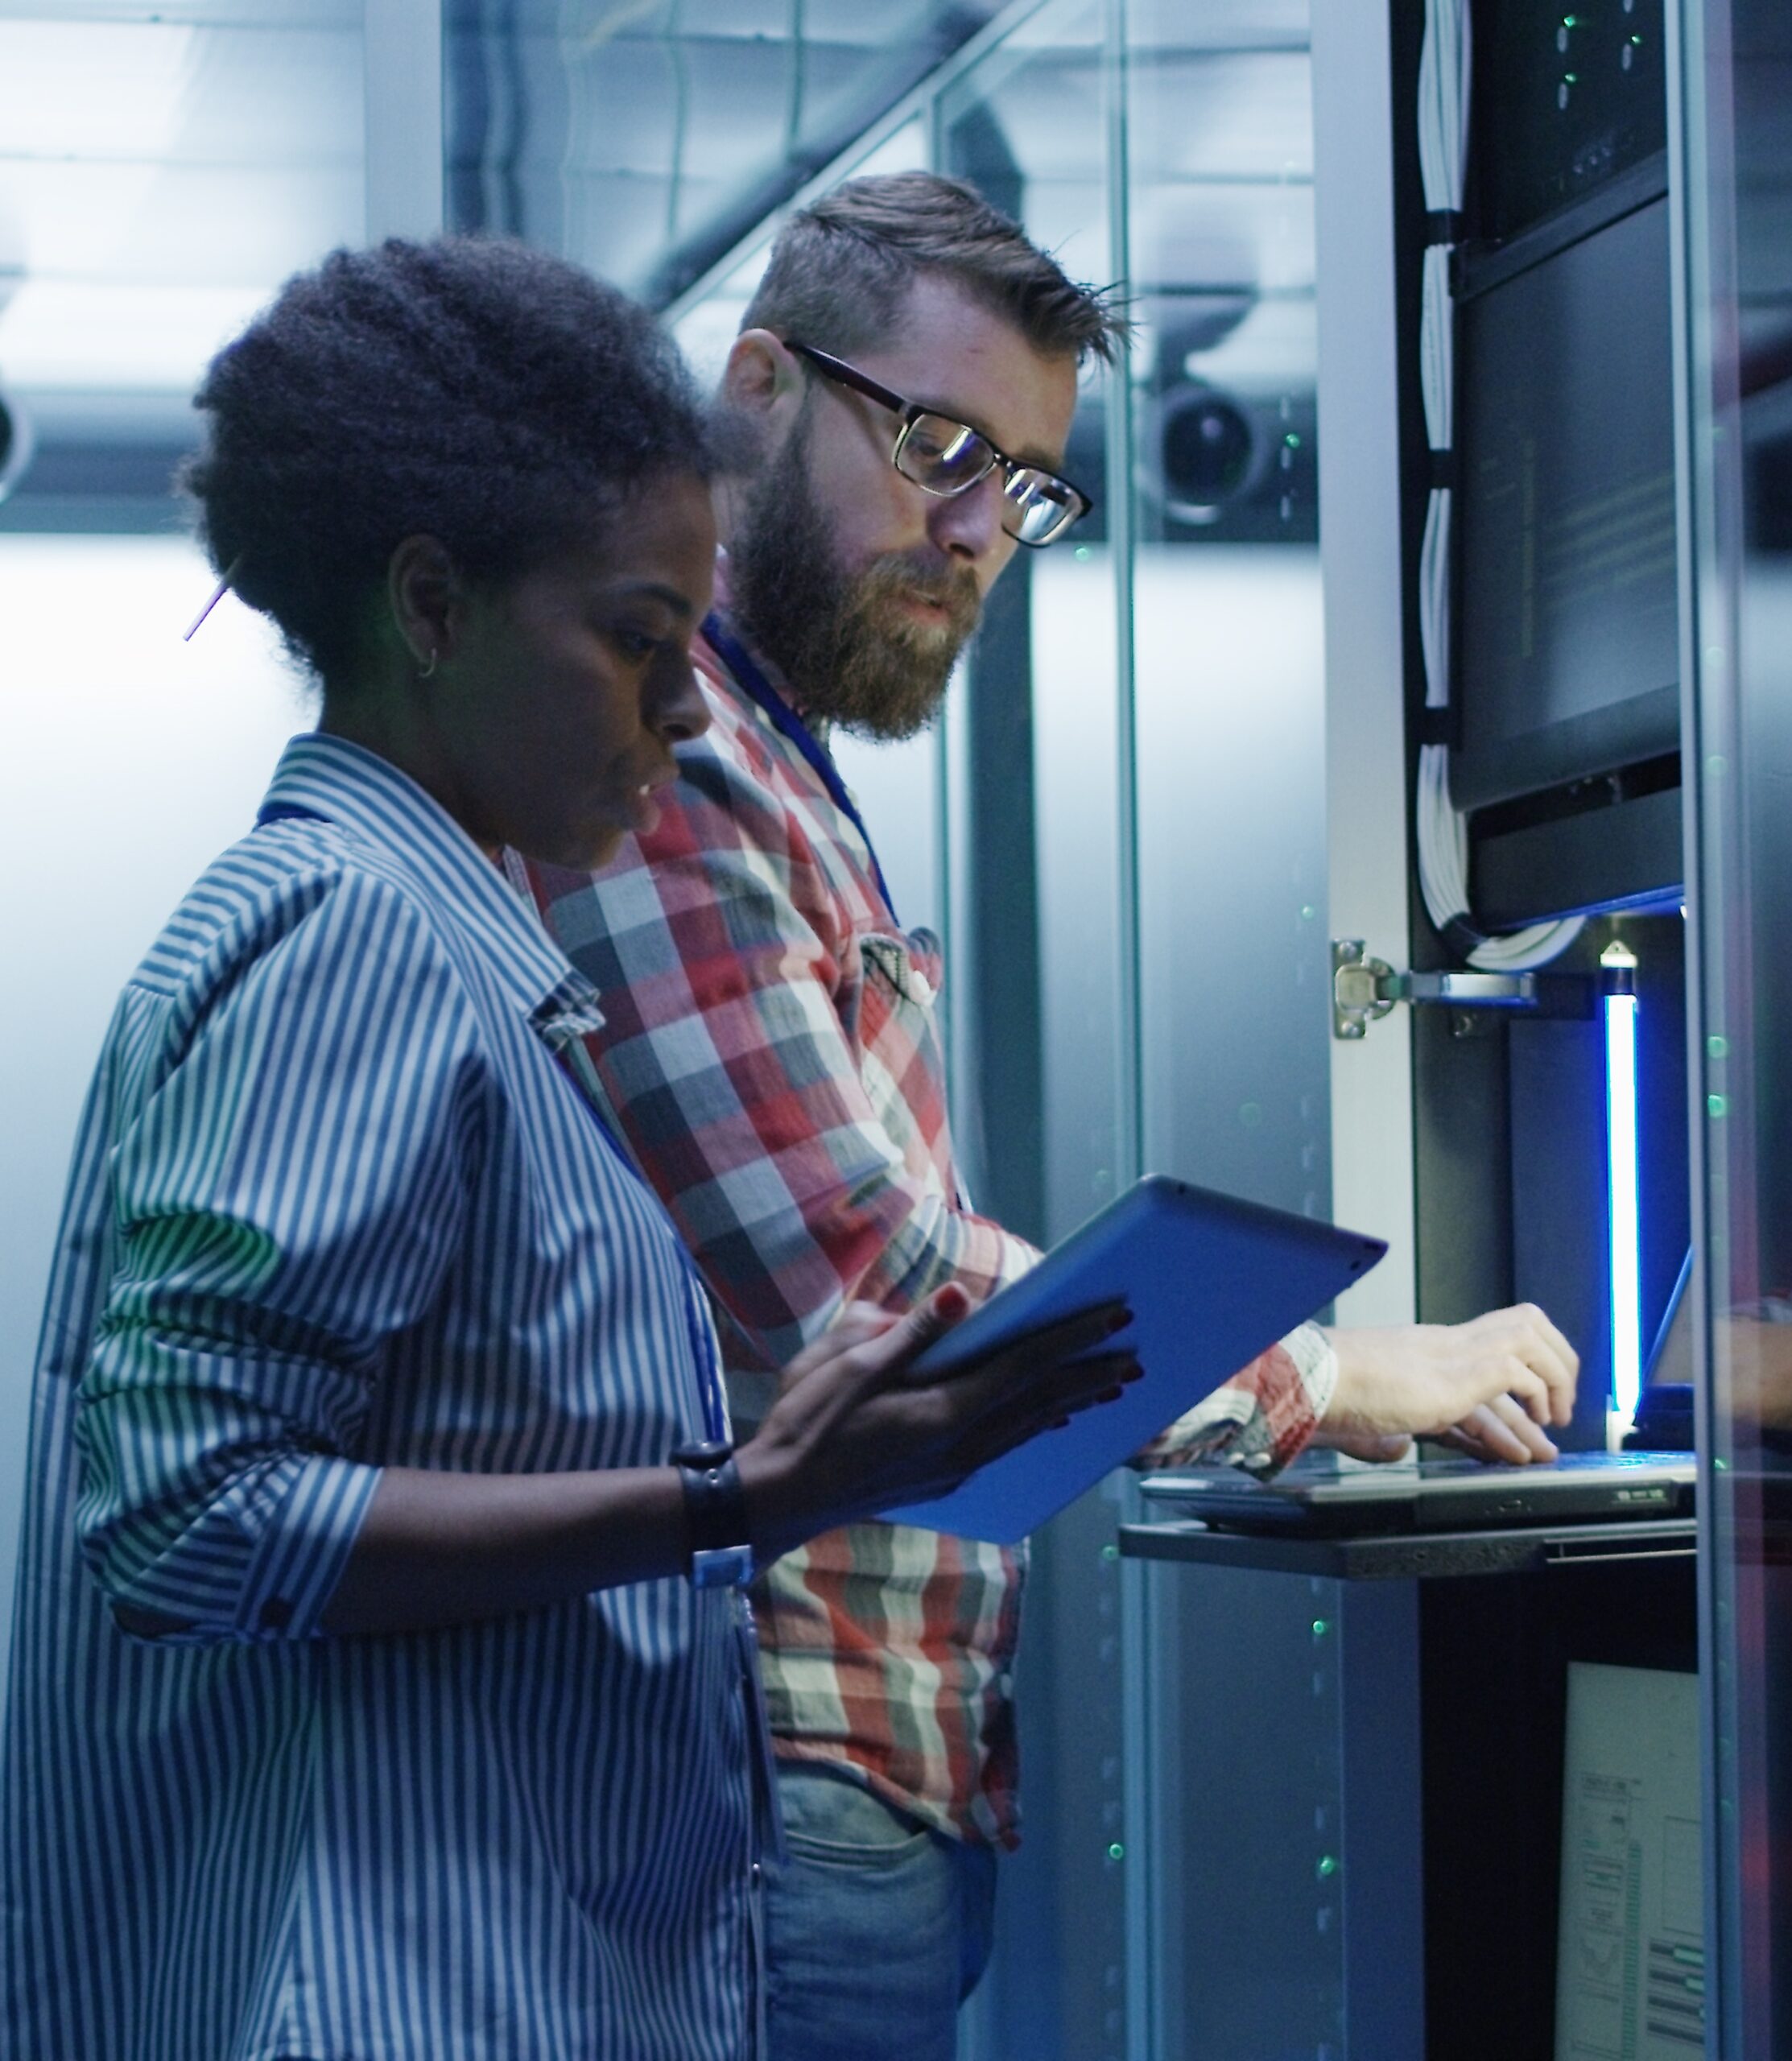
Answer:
(714, 1511)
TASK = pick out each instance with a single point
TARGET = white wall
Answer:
(127, 760)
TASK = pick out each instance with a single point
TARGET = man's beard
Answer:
(852, 651)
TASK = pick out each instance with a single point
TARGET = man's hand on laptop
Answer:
(1488, 1387)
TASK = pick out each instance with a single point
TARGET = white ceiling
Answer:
(165, 164)
(159, 177)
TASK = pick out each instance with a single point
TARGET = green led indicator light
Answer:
(1291, 440)
(1328, 1864)
(1715, 1106)
(1321, 1626)
(1083, 554)
(1720, 1463)
(1110, 1552)
(1570, 78)
(1116, 1852)
(1718, 1047)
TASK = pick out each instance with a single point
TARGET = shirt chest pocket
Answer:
(899, 988)
(907, 967)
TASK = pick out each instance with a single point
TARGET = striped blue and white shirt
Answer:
(336, 1203)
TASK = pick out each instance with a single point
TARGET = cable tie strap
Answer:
(1441, 471)
(1436, 726)
(1462, 937)
(1445, 225)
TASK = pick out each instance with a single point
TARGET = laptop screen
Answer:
(1670, 1356)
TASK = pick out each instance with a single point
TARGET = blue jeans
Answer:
(876, 1928)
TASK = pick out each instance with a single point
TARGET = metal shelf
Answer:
(1424, 1556)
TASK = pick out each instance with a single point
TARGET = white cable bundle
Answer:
(1443, 76)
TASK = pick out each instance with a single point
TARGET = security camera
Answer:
(1211, 451)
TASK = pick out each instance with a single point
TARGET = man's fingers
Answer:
(1528, 1393)
(1483, 1436)
(1543, 1348)
(1501, 1431)
(1521, 1424)
(1378, 1447)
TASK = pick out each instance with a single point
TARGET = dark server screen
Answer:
(1565, 98)
(1567, 655)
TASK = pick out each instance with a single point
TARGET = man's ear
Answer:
(425, 595)
(763, 382)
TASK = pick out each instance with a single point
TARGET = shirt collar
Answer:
(376, 804)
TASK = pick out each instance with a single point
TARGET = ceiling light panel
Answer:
(159, 177)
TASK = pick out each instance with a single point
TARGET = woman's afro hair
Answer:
(469, 389)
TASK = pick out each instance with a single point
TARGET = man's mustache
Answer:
(952, 587)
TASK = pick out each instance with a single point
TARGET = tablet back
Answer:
(1212, 1282)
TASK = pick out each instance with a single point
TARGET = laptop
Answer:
(1315, 1497)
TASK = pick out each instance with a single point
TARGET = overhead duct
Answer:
(16, 442)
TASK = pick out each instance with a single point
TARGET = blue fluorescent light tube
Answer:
(1624, 1215)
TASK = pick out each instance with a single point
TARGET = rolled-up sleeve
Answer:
(287, 1184)
(1259, 1418)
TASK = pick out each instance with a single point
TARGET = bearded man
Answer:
(900, 395)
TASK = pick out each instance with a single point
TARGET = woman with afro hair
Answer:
(381, 1686)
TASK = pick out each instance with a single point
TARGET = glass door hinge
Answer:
(1364, 989)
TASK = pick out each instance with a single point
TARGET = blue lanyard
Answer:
(746, 669)
(703, 1354)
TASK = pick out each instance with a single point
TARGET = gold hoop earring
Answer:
(428, 672)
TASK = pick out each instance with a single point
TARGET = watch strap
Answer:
(715, 1515)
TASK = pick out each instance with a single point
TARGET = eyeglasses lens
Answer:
(946, 457)
(1036, 507)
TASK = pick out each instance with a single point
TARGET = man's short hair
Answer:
(842, 269)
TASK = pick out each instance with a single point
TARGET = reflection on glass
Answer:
(1738, 255)
(1230, 706)
(647, 140)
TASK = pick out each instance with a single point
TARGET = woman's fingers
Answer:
(853, 1432)
(882, 1345)
(1056, 1339)
(1084, 1385)
(1008, 1418)
(1064, 1338)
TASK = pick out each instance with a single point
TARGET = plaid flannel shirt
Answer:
(770, 1054)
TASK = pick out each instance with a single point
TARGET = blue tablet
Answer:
(1212, 1281)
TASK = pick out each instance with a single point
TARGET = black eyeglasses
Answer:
(945, 457)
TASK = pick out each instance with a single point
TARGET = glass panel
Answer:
(164, 169)
(1738, 267)
(101, 730)
(647, 141)
(1039, 1029)
(1240, 1671)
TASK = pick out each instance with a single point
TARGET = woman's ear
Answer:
(425, 594)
